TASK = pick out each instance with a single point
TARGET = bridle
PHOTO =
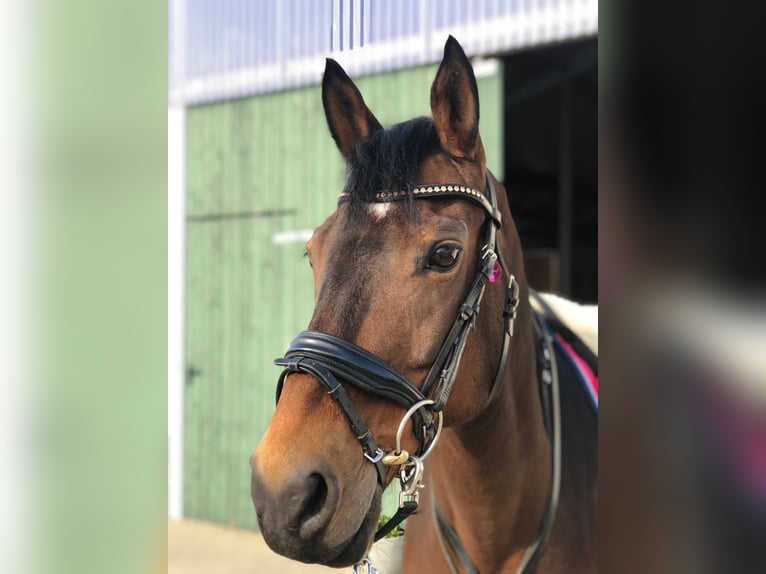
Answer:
(334, 361)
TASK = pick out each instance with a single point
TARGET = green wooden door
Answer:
(259, 169)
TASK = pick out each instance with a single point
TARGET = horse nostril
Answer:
(317, 504)
(316, 488)
(298, 508)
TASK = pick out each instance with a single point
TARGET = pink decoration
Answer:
(585, 371)
(495, 273)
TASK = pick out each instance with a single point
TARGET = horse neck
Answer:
(491, 476)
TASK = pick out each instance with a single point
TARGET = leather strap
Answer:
(441, 377)
(362, 369)
(509, 316)
(448, 538)
(443, 372)
(298, 364)
(407, 508)
(352, 363)
(338, 393)
(548, 378)
(438, 190)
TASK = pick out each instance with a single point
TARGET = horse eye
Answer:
(444, 257)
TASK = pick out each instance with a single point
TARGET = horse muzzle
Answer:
(303, 515)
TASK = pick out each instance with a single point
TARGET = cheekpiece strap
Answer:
(320, 372)
(441, 377)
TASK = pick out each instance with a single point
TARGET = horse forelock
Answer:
(390, 159)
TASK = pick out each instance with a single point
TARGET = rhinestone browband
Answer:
(425, 189)
(434, 190)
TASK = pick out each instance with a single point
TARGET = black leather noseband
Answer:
(328, 358)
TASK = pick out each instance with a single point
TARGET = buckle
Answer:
(375, 459)
(511, 304)
(488, 253)
(292, 364)
(488, 259)
(411, 481)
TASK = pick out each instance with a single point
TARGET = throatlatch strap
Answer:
(549, 379)
(448, 538)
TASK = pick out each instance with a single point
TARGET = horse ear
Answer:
(455, 102)
(349, 119)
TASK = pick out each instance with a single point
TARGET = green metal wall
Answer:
(272, 157)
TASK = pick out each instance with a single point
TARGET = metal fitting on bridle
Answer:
(398, 451)
(411, 467)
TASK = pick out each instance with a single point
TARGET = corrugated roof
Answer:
(223, 49)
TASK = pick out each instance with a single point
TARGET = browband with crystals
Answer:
(435, 190)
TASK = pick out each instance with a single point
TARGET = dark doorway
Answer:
(551, 144)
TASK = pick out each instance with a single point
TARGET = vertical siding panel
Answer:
(192, 338)
(228, 341)
(213, 297)
(197, 314)
(237, 310)
(238, 306)
(243, 513)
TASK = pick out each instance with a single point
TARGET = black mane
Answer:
(390, 159)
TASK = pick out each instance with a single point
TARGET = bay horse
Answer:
(399, 360)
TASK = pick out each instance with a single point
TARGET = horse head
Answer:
(392, 273)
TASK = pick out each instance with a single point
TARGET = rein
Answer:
(334, 361)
